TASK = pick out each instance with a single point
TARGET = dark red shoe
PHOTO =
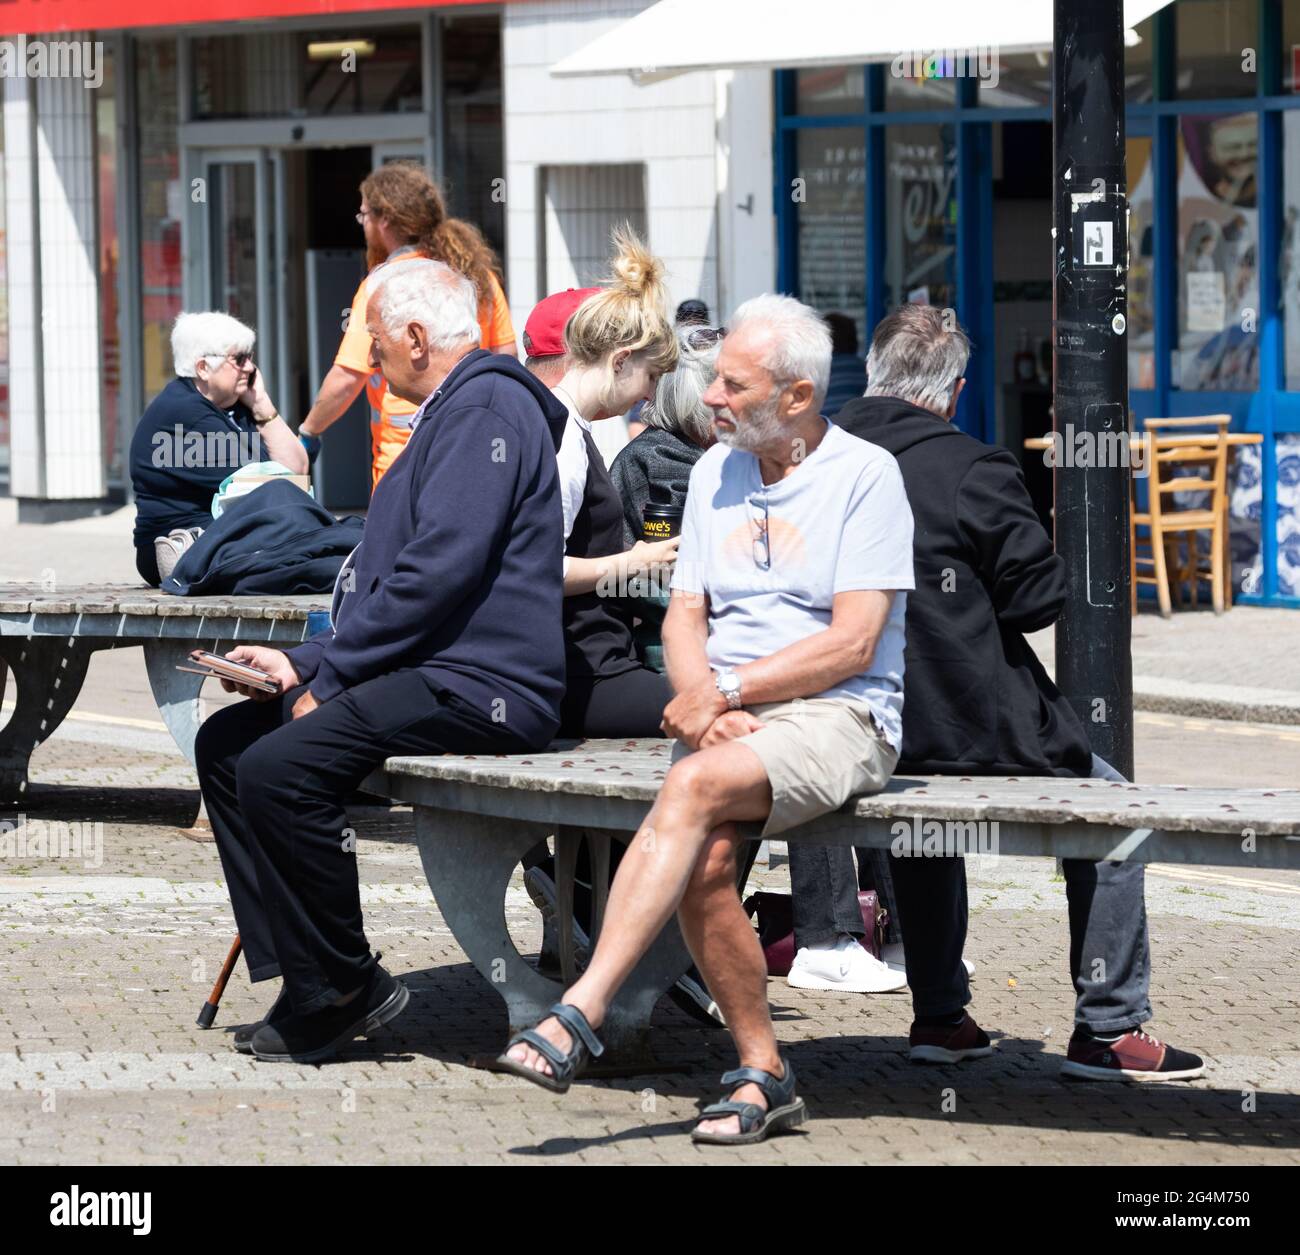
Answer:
(1136, 1056)
(948, 1044)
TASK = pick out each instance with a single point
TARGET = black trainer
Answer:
(281, 1009)
(320, 1035)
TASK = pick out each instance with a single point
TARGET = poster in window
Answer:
(1218, 241)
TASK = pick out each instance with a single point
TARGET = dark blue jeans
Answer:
(1110, 953)
(824, 888)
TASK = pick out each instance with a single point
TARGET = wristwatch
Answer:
(728, 684)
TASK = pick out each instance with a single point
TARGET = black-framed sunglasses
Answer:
(762, 545)
(705, 337)
(240, 359)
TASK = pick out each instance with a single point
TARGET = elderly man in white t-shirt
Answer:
(784, 644)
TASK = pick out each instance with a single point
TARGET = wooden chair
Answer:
(1190, 571)
(1168, 526)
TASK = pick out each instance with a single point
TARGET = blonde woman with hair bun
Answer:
(617, 343)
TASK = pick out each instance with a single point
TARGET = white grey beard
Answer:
(757, 432)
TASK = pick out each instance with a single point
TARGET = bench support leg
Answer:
(469, 861)
(48, 673)
(177, 692)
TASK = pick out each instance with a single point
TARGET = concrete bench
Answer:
(475, 818)
(47, 637)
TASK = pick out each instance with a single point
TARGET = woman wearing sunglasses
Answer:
(656, 466)
(213, 418)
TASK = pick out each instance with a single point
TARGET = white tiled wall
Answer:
(54, 343)
(24, 293)
(673, 127)
(74, 457)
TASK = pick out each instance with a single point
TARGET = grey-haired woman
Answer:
(656, 466)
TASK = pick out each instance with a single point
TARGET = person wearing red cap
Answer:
(545, 354)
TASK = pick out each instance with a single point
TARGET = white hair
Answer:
(429, 293)
(918, 353)
(800, 345)
(209, 334)
(678, 404)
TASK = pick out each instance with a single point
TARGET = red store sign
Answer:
(39, 17)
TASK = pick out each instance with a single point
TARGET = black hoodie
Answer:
(977, 699)
(460, 574)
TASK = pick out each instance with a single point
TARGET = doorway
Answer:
(1022, 296)
(281, 250)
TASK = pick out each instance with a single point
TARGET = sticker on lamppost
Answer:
(1095, 231)
(1098, 244)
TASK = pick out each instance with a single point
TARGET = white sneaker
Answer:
(168, 550)
(893, 958)
(846, 967)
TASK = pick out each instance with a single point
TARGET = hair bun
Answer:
(635, 268)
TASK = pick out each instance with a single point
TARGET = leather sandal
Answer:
(564, 1065)
(784, 1110)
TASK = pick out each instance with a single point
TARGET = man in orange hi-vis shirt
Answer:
(404, 217)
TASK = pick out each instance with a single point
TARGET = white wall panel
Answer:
(25, 467)
(65, 172)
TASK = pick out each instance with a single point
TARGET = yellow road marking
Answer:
(1183, 873)
(122, 721)
(1282, 732)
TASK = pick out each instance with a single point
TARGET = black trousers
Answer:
(629, 704)
(1110, 956)
(274, 788)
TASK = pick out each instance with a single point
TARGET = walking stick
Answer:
(209, 1012)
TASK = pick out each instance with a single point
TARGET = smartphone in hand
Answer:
(211, 664)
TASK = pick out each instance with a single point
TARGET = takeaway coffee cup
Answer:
(660, 522)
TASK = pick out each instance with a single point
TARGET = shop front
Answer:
(214, 165)
(932, 186)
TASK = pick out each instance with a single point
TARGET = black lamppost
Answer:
(1090, 378)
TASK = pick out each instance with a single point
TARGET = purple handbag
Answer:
(775, 918)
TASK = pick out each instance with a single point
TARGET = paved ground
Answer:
(107, 965)
(111, 953)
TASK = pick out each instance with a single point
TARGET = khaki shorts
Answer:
(817, 753)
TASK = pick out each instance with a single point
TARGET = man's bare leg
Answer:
(725, 782)
(726, 950)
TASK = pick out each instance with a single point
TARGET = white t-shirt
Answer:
(838, 522)
(572, 461)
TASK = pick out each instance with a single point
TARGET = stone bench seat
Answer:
(476, 817)
(47, 636)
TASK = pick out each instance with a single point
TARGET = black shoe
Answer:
(280, 1010)
(692, 997)
(311, 1038)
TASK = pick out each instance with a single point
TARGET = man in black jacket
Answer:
(446, 638)
(980, 703)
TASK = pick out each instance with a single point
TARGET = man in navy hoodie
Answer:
(447, 638)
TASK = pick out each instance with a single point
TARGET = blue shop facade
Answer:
(898, 182)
